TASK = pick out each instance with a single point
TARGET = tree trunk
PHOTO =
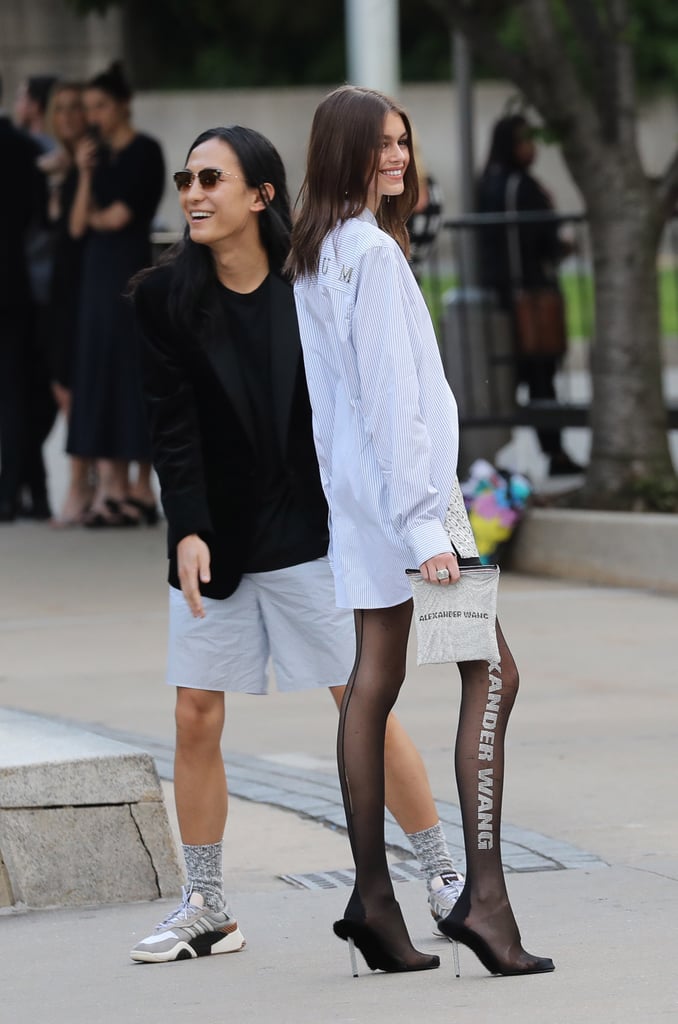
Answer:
(630, 456)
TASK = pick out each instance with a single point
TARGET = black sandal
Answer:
(114, 517)
(149, 510)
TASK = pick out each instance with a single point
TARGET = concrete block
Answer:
(44, 763)
(82, 818)
(6, 897)
(154, 831)
(625, 549)
(73, 855)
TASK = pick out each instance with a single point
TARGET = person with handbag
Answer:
(386, 434)
(247, 520)
(519, 263)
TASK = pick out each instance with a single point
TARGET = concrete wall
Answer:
(45, 37)
(285, 116)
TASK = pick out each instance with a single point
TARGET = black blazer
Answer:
(202, 432)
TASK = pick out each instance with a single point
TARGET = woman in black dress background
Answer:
(120, 183)
(507, 185)
(66, 117)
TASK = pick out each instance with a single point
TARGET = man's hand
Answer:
(193, 563)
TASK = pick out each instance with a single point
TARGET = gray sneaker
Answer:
(190, 931)
(445, 891)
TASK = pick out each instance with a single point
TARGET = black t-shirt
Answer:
(281, 531)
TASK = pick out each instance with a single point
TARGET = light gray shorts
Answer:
(287, 616)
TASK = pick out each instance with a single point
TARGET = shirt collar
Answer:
(367, 216)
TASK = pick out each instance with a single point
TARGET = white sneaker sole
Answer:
(234, 942)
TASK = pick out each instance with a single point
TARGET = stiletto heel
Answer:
(374, 950)
(352, 957)
(455, 957)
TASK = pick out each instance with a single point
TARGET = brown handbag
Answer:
(539, 317)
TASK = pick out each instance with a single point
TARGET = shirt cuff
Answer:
(428, 540)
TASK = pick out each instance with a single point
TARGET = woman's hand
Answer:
(193, 564)
(445, 561)
(86, 154)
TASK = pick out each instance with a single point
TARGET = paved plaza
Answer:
(590, 841)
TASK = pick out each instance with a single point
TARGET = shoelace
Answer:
(181, 913)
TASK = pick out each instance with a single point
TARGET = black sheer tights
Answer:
(482, 918)
(378, 673)
(488, 693)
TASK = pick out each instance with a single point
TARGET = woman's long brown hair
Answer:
(343, 157)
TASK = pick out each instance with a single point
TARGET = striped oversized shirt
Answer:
(384, 419)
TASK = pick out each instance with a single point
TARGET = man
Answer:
(24, 195)
(30, 114)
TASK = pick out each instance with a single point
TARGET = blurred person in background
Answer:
(30, 108)
(120, 183)
(68, 125)
(18, 168)
(30, 112)
(507, 185)
(425, 221)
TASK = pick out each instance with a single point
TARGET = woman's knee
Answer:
(199, 716)
(508, 670)
(510, 678)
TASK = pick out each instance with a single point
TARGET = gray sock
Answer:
(204, 872)
(430, 847)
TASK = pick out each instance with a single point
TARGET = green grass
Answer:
(578, 292)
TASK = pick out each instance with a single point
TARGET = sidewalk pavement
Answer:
(590, 762)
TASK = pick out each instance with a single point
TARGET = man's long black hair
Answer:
(192, 263)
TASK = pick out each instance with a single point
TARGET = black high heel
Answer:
(149, 510)
(111, 515)
(457, 932)
(373, 948)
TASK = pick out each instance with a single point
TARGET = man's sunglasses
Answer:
(209, 178)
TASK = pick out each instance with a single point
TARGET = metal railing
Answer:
(476, 330)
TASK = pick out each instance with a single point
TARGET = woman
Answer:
(506, 185)
(386, 434)
(120, 183)
(247, 520)
(66, 118)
